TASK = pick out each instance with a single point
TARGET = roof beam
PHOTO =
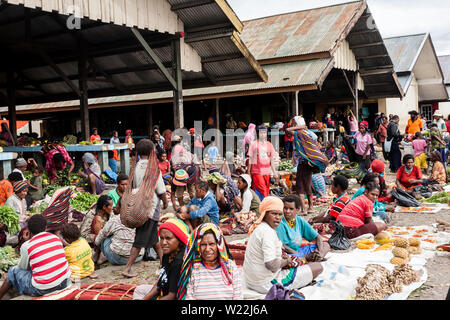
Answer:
(365, 73)
(225, 57)
(208, 27)
(58, 70)
(363, 32)
(372, 57)
(191, 4)
(105, 74)
(154, 57)
(22, 18)
(205, 37)
(366, 45)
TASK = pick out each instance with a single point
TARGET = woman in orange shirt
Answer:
(95, 136)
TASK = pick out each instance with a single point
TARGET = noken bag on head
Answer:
(339, 241)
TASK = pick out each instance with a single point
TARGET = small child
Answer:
(36, 191)
(78, 253)
(420, 156)
(164, 166)
(213, 152)
(331, 153)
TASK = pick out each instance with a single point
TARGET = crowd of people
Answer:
(285, 247)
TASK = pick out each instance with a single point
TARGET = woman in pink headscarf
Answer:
(250, 136)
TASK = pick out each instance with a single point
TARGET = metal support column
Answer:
(83, 88)
(178, 112)
(217, 113)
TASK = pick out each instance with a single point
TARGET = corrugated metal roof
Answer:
(298, 33)
(445, 66)
(405, 50)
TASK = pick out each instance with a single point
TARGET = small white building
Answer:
(420, 75)
(445, 66)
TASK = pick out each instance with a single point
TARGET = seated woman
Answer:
(293, 229)
(115, 240)
(438, 172)
(409, 175)
(357, 215)
(92, 173)
(18, 203)
(331, 153)
(378, 167)
(250, 204)
(96, 219)
(322, 223)
(379, 209)
(264, 262)
(174, 236)
(226, 192)
(208, 272)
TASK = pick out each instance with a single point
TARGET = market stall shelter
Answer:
(420, 75)
(315, 59)
(55, 51)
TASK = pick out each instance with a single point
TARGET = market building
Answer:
(56, 51)
(445, 66)
(314, 59)
(420, 75)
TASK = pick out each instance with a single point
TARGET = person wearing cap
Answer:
(438, 118)
(265, 262)
(415, 124)
(261, 163)
(174, 236)
(17, 200)
(178, 187)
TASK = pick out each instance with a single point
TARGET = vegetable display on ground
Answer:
(10, 218)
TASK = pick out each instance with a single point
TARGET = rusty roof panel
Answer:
(445, 66)
(405, 50)
(298, 33)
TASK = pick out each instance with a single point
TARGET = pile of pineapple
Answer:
(403, 248)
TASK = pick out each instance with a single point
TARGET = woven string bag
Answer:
(135, 208)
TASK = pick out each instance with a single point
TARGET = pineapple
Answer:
(401, 242)
(400, 252)
(397, 260)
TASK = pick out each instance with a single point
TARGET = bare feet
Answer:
(101, 259)
(93, 275)
(128, 274)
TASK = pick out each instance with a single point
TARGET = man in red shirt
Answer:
(261, 161)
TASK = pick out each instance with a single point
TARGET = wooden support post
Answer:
(84, 106)
(217, 113)
(12, 115)
(356, 102)
(294, 103)
(178, 112)
(150, 120)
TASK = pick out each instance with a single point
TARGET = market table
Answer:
(101, 149)
(6, 159)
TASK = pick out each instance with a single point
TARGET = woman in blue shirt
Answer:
(293, 229)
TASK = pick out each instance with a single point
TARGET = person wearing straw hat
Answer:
(178, 187)
(265, 263)
(174, 236)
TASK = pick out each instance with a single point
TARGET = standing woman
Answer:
(95, 136)
(249, 137)
(394, 136)
(208, 272)
(353, 124)
(57, 158)
(174, 236)
(382, 134)
(363, 141)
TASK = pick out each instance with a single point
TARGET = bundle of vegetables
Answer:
(442, 197)
(10, 218)
(51, 188)
(352, 171)
(70, 139)
(8, 258)
(83, 201)
(85, 143)
(28, 175)
(39, 209)
(286, 165)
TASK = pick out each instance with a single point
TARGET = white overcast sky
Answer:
(393, 17)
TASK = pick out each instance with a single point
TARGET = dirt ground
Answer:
(435, 288)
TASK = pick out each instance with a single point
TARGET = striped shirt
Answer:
(338, 205)
(44, 254)
(209, 284)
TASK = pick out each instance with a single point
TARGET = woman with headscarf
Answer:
(438, 171)
(208, 271)
(265, 263)
(174, 236)
(249, 137)
(92, 173)
(57, 159)
(309, 159)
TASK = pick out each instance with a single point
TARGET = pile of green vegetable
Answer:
(286, 165)
(83, 201)
(10, 218)
(39, 209)
(442, 197)
(8, 258)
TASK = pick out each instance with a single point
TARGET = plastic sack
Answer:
(404, 198)
(338, 240)
(424, 191)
